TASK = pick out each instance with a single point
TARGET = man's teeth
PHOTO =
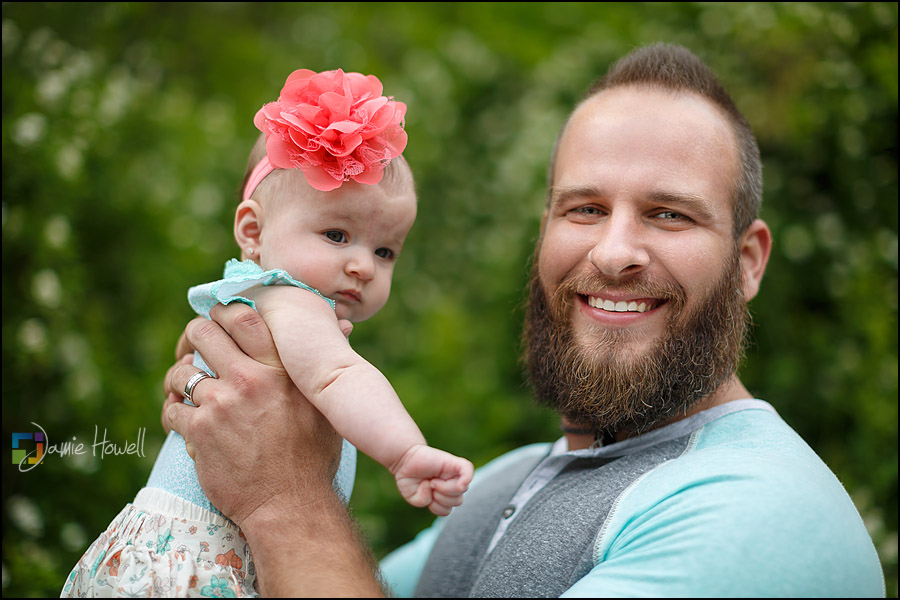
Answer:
(620, 306)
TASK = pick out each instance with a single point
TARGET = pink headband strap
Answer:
(256, 176)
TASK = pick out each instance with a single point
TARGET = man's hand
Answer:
(267, 458)
(253, 437)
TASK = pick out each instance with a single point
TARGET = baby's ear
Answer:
(248, 226)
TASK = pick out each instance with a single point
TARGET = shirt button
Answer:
(508, 511)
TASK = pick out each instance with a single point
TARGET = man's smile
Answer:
(621, 304)
(639, 305)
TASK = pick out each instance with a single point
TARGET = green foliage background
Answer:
(126, 128)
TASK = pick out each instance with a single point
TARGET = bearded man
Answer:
(671, 478)
(647, 180)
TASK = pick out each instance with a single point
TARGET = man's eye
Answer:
(587, 214)
(671, 215)
(336, 236)
(384, 253)
(587, 210)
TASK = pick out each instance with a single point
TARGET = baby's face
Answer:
(344, 242)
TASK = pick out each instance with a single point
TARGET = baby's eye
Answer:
(336, 236)
(385, 253)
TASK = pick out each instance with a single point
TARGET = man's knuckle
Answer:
(246, 377)
(202, 329)
(170, 417)
(212, 399)
(249, 320)
(201, 426)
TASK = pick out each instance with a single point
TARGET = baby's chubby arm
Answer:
(357, 399)
(352, 394)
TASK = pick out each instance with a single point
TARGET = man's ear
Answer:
(248, 220)
(755, 247)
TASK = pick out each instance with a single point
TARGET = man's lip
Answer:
(622, 302)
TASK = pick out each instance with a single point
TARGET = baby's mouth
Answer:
(351, 295)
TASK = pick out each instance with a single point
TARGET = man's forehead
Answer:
(676, 144)
(653, 105)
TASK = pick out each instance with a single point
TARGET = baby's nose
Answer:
(361, 265)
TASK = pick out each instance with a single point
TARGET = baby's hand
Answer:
(430, 477)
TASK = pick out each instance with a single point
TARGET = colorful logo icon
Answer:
(28, 448)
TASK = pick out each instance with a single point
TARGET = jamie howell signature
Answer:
(101, 447)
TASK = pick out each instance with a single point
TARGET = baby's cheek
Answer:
(380, 301)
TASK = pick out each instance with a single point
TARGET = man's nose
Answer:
(621, 246)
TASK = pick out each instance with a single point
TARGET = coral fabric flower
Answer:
(335, 126)
(114, 563)
(229, 559)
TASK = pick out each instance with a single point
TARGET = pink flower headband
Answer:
(334, 126)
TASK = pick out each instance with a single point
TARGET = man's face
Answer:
(637, 265)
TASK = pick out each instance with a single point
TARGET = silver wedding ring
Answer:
(192, 383)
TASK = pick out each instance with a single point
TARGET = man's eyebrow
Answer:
(698, 205)
(561, 194)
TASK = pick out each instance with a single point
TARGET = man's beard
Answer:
(597, 382)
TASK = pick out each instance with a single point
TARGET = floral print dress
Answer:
(148, 551)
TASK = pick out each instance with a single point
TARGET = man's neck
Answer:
(732, 389)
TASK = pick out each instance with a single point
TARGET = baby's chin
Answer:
(349, 313)
(355, 311)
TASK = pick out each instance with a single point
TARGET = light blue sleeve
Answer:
(239, 277)
(753, 521)
(402, 567)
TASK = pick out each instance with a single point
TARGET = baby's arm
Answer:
(357, 399)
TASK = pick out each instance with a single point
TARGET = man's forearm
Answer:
(315, 550)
